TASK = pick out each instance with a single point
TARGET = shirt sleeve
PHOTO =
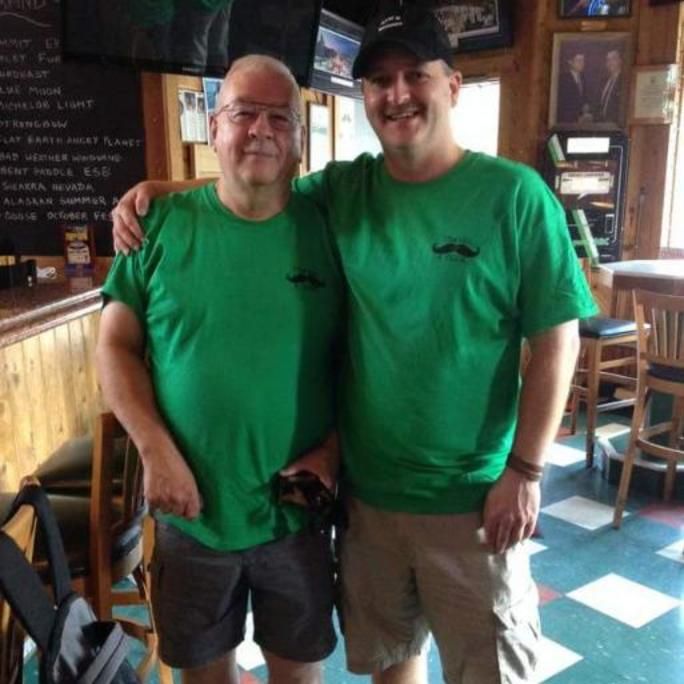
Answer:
(314, 187)
(553, 288)
(125, 283)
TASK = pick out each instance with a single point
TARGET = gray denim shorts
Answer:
(200, 598)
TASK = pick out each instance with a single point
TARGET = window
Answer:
(673, 216)
(353, 133)
(475, 119)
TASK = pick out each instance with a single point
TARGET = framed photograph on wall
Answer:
(654, 93)
(210, 88)
(590, 79)
(476, 24)
(320, 138)
(594, 9)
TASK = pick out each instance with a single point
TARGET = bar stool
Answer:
(597, 334)
(661, 369)
(21, 528)
(94, 486)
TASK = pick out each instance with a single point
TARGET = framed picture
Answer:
(594, 9)
(476, 24)
(590, 78)
(337, 45)
(653, 94)
(345, 129)
(210, 88)
(320, 139)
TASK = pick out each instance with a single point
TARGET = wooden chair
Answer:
(102, 527)
(661, 369)
(599, 334)
(21, 527)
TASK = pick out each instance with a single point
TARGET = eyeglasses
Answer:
(246, 113)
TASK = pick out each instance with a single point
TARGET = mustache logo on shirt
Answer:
(454, 248)
(306, 279)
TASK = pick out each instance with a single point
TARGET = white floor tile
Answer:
(249, 654)
(563, 455)
(674, 551)
(554, 658)
(581, 511)
(534, 547)
(629, 602)
(612, 430)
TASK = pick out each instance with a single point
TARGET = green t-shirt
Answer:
(241, 319)
(445, 279)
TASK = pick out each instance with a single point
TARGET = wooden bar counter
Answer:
(48, 388)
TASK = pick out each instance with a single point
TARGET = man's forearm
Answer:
(545, 391)
(128, 391)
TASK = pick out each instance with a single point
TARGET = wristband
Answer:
(530, 471)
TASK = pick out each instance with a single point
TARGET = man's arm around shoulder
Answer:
(169, 483)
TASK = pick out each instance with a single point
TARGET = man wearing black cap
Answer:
(451, 259)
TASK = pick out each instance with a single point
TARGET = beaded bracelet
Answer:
(530, 471)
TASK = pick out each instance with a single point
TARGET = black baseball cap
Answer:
(412, 27)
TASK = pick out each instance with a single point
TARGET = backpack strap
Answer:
(111, 656)
(25, 593)
(33, 495)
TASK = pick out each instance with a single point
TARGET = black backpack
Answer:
(76, 647)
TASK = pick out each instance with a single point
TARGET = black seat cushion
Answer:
(600, 327)
(666, 373)
(68, 469)
(72, 513)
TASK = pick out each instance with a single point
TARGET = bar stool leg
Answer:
(675, 432)
(593, 377)
(630, 455)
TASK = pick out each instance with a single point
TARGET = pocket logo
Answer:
(305, 279)
(455, 249)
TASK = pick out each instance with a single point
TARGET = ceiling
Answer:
(357, 11)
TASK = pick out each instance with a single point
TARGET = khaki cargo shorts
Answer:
(406, 575)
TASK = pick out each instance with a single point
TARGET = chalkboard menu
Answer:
(71, 134)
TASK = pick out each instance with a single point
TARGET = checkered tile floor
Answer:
(611, 601)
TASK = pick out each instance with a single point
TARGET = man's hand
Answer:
(511, 510)
(128, 234)
(170, 486)
(323, 461)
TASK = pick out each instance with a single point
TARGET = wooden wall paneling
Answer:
(522, 72)
(64, 365)
(53, 390)
(79, 369)
(178, 158)
(7, 447)
(91, 327)
(24, 457)
(37, 404)
(645, 190)
(156, 126)
(658, 41)
(48, 394)
(533, 54)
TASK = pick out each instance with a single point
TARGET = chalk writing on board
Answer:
(71, 134)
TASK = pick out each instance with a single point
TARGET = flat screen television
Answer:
(337, 44)
(191, 36)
